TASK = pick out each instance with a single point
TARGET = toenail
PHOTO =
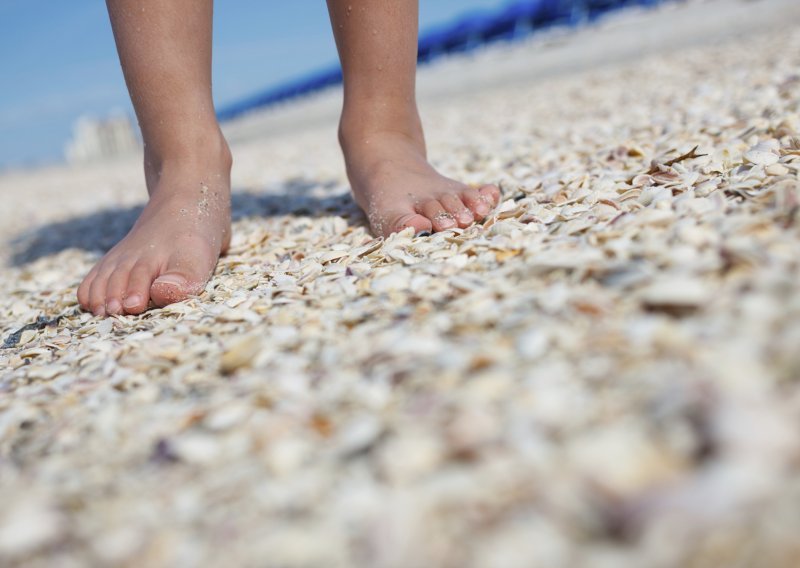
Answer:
(445, 219)
(99, 311)
(132, 301)
(113, 306)
(171, 280)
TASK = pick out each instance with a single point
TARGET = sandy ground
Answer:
(603, 374)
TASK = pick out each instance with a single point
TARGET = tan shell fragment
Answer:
(240, 354)
(27, 336)
(333, 255)
(777, 170)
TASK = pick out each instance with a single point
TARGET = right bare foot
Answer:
(171, 251)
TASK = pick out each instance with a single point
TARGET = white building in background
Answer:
(95, 140)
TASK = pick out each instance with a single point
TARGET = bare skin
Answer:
(170, 253)
(165, 51)
(380, 130)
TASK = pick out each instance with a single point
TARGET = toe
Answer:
(186, 272)
(115, 289)
(169, 289)
(184, 275)
(97, 291)
(438, 215)
(458, 210)
(85, 288)
(403, 220)
(476, 202)
(137, 292)
(491, 193)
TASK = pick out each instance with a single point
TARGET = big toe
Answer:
(394, 223)
(185, 274)
(490, 193)
(170, 288)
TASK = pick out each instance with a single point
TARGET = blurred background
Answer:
(64, 97)
(59, 62)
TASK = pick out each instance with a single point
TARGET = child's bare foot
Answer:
(397, 187)
(172, 250)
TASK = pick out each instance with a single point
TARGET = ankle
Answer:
(207, 153)
(376, 117)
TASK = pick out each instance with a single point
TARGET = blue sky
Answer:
(59, 62)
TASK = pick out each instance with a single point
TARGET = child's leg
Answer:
(165, 51)
(380, 131)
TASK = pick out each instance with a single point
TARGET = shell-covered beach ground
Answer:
(606, 373)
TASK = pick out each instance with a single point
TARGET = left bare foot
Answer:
(397, 188)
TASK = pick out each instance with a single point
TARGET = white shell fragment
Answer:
(28, 525)
(676, 291)
(761, 155)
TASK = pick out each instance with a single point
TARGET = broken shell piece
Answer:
(761, 155)
(105, 327)
(677, 292)
(391, 282)
(196, 448)
(27, 336)
(330, 256)
(358, 436)
(240, 354)
(777, 170)
(27, 525)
